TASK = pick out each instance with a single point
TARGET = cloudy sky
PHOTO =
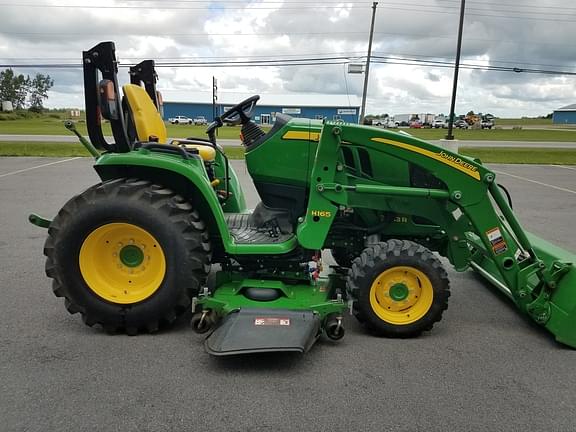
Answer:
(538, 35)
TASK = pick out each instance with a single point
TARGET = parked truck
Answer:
(425, 119)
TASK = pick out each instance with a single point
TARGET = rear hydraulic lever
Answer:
(68, 124)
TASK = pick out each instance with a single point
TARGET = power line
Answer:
(491, 60)
(348, 54)
(284, 58)
(390, 60)
(515, 5)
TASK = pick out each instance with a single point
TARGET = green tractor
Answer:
(167, 230)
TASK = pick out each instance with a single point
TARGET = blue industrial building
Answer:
(565, 115)
(265, 113)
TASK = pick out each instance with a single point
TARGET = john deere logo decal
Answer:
(446, 158)
(467, 166)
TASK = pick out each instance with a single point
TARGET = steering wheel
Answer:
(240, 112)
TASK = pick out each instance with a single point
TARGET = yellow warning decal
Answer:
(446, 158)
(302, 135)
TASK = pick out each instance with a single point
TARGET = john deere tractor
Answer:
(134, 252)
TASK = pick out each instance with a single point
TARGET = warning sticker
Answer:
(499, 246)
(271, 321)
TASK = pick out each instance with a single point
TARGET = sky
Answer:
(536, 35)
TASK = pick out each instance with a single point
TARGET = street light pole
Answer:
(449, 136)
(365, 91)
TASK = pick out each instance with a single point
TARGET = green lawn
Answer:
(51, 126)
(519, 155)
(523, 122)
(486, 154)
(52, 149)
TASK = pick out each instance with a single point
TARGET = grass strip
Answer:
(54, 149)
(522, 155)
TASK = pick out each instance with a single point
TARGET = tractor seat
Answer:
(149, 124)
(207, 153)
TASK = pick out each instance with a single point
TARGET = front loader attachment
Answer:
(552, 303)
(464, 205)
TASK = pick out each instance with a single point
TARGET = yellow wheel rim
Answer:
(122, 263)
(401, 295)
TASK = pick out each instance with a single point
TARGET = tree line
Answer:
(25, 91)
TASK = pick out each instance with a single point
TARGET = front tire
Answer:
(399, 288)
(127, 254)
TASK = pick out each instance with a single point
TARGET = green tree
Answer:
(14, 88)
(39, 91)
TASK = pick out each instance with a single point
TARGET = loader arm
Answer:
(480, 228)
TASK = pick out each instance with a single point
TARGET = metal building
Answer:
(565, 115)
(331, 107)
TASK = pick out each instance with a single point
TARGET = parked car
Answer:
(487, 124)
(416, 124)
(181, 120)
(440, 123)
(461, 124)
(200, 120)
(386, 123)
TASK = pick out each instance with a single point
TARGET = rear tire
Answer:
(399, 288)
(128, 255)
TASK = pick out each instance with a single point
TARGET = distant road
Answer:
(235, 142)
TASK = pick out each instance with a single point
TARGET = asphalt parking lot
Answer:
(483, 368)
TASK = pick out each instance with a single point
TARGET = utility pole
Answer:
(449, 136)
(214, 97)
(365, 91)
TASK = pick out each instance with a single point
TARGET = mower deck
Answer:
(263, 315)
(257, 330)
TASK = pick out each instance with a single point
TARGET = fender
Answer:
(188, 177)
